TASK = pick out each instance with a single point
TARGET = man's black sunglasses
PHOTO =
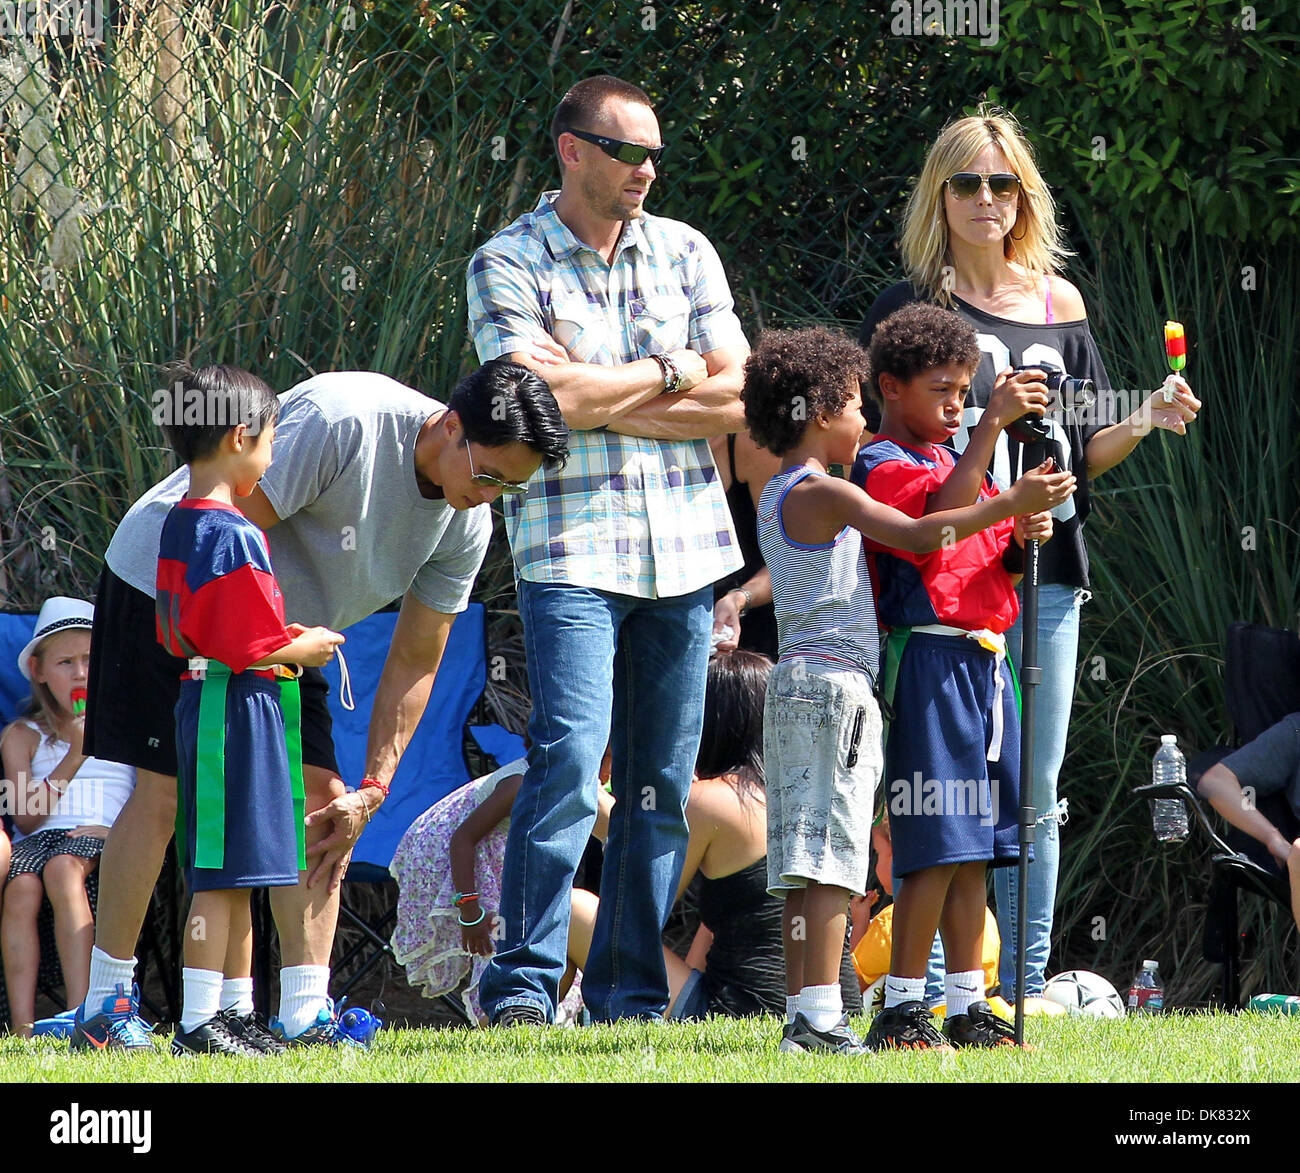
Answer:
(633, 154)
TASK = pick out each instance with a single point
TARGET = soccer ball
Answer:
(1081, 992)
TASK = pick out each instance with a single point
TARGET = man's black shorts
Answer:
(135, 682)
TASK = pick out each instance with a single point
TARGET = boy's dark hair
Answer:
(580, 108)
(918, 338)
(198, 408)
(732, 738)
(794, 376)
(504, 403)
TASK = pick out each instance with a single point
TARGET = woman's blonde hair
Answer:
(1035, 240)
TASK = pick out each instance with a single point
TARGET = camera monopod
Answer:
(1034, 434)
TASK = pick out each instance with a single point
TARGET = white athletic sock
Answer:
(304, 993)
(106, 974)
(902, 989)
(200, 996)
(822, 1006)
(791, 1007)
(237, 995)
(961, 989)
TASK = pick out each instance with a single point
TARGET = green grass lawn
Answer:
(1210, 1048)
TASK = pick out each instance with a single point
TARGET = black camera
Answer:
(1064, 393)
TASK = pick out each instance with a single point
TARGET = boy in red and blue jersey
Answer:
(952, 752)
(238, 747)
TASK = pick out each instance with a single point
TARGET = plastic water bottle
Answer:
(1169, 815)
(1147, 994)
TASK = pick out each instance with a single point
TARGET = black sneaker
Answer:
(980, 1027)
(525, 1014)
(801, 1037)
(213, 1037)
(250, 1028)
(906, 1027)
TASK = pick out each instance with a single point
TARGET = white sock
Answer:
(822, 1006)
(304, 993)
(902, 989)
(237, 995)
(791, 1007)
(200, 996)
(961, 989)
(106, 974)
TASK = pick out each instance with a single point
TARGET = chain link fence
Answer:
(297, 187)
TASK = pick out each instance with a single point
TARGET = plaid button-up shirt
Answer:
(627, 515)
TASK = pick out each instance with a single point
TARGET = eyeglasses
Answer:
(633, 154)
(966, 184)
(483, 478)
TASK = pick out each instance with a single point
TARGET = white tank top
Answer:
(96, 794)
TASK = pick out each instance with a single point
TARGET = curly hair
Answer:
(794, 376)
(918, 338)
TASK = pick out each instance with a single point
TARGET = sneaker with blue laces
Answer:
(117, 1027)
(324, 1032)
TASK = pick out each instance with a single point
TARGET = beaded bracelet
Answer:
(463, 898)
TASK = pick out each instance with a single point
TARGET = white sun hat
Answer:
(57, 614)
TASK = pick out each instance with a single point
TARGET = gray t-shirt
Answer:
(355, 534)
(1271, 763)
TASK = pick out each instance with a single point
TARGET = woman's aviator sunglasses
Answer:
(633, 154)
(966, 184)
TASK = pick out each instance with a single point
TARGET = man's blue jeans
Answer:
(631, 672)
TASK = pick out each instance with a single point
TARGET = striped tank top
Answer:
(822, 594)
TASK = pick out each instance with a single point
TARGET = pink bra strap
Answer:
(1047, 288)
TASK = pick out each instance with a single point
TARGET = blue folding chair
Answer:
(431, 768)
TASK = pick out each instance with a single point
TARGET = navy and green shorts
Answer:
(947, 802)
(241, 799)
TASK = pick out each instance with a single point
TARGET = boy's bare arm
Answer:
(1014, 395)
(842, 503)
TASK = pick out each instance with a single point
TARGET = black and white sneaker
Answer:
(906, 1027)
(213, 1037)
(250, 1028)
(980, 1027)
(801, 1038)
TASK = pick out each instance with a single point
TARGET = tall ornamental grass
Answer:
(1188, 535)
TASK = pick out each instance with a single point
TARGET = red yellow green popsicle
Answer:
(1175, 352)
(78, 702)
(1175, 345)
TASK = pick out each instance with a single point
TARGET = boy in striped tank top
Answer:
(821, 737)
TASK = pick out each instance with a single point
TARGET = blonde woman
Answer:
(980, 237)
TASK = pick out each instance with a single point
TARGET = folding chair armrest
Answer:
(1244, 872)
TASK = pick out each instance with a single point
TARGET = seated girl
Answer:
(63, 802)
